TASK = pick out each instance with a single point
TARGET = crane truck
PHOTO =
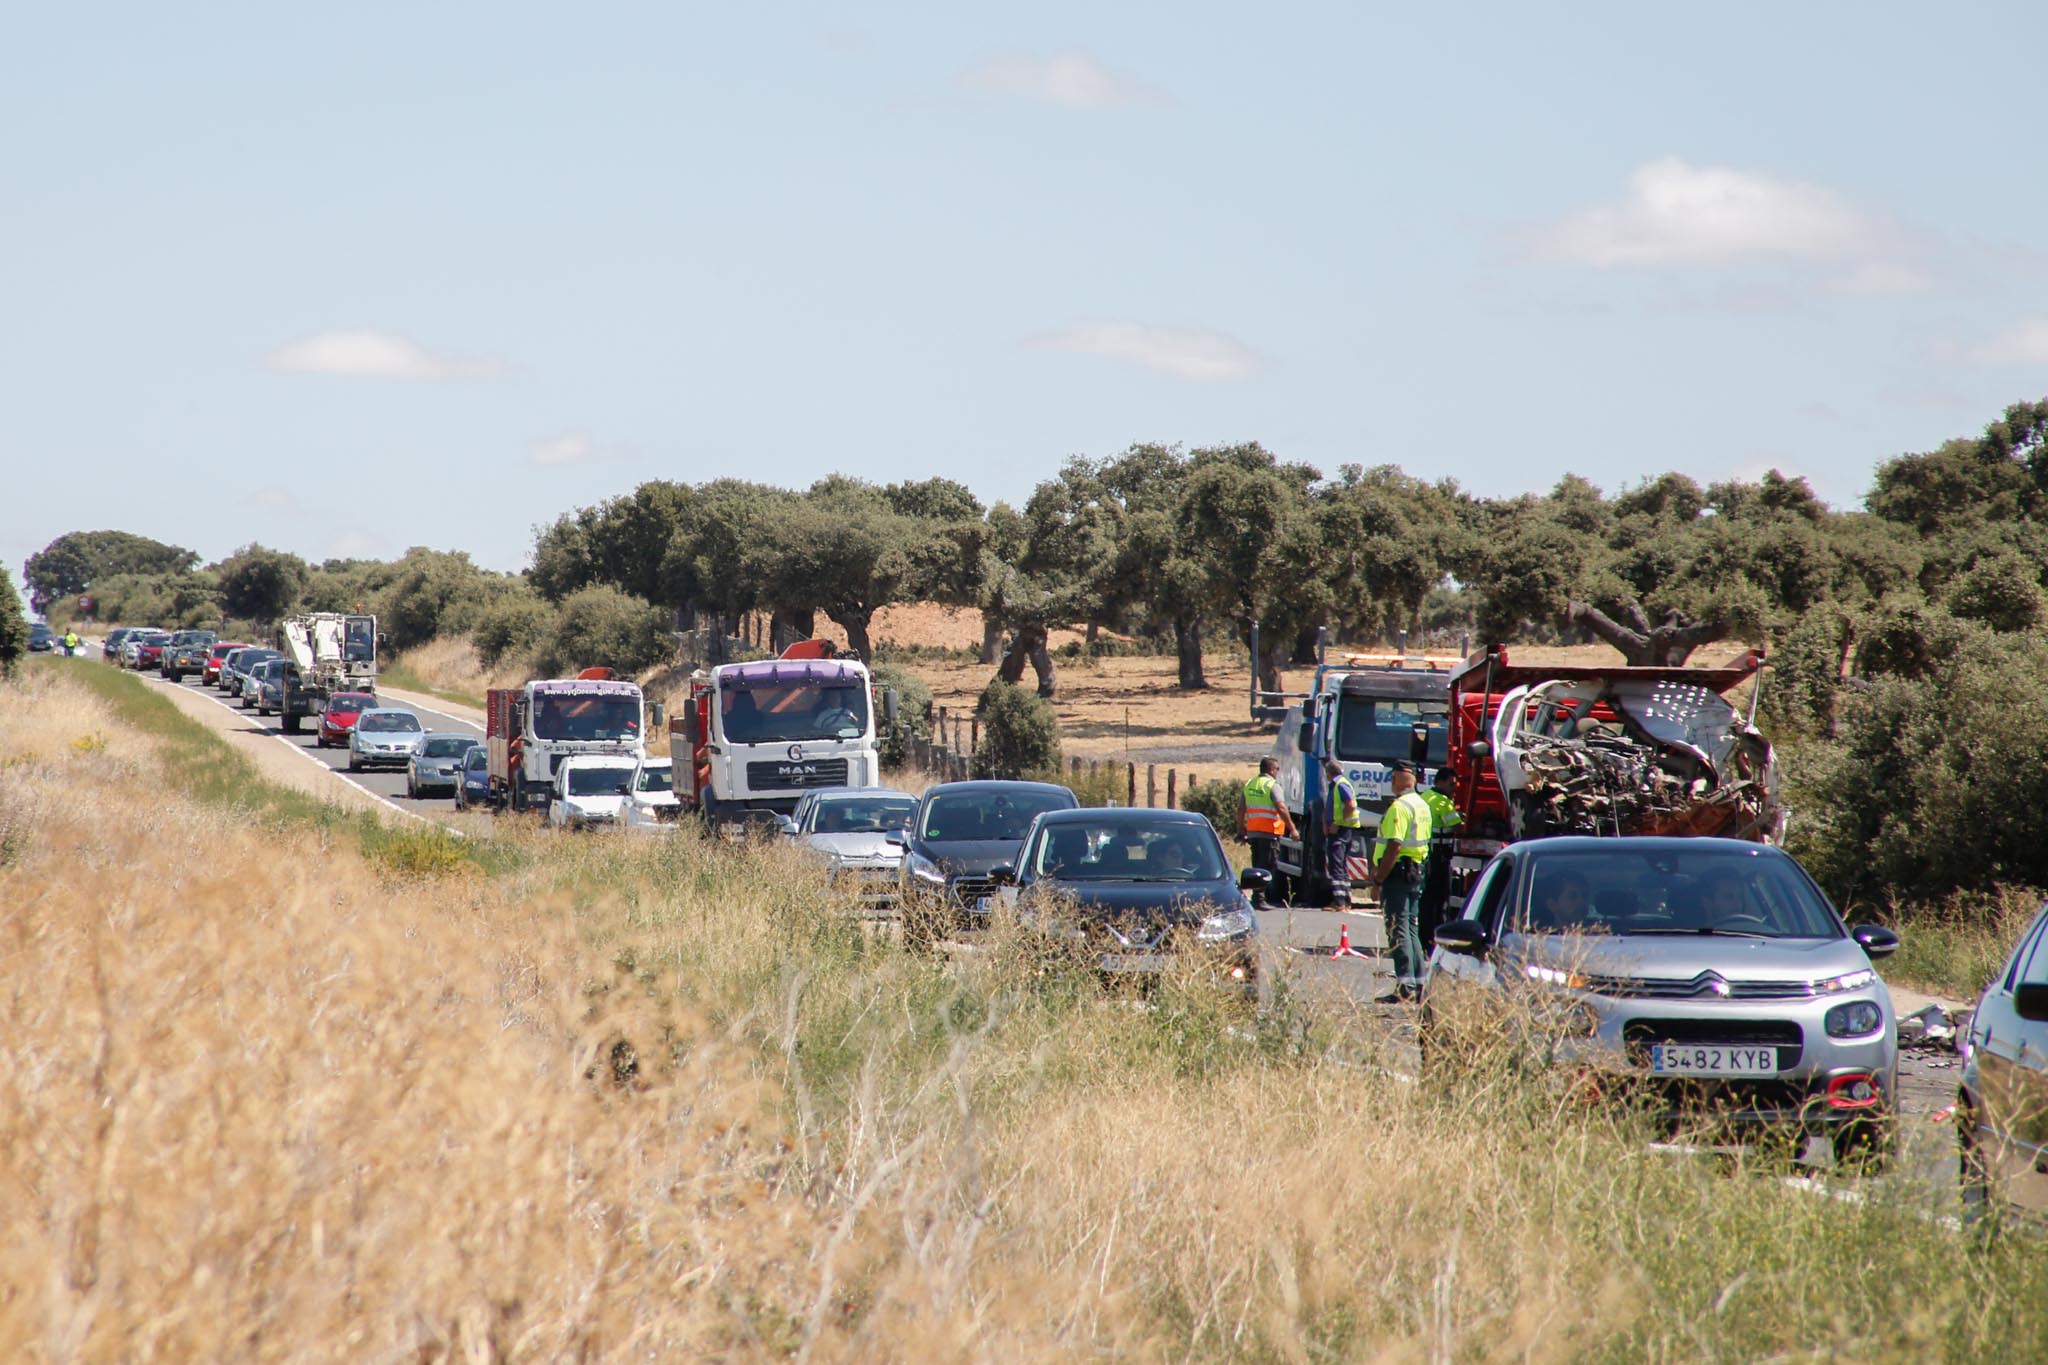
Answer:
(754, 737)
(530, 730)
(325, 652)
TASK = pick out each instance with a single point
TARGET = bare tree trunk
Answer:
(788, 626)
(1094, 629)
(1187, 642)
(1272, 655)
(1305, 647)
(855, 624)
(991, 638)
(1642, 645)
(1041, 663)
(1025, 641)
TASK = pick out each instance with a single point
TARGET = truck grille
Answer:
(786, 773)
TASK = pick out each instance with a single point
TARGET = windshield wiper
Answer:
(1701, 933)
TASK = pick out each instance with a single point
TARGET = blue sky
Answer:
(390, 275)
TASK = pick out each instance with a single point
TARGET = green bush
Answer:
(13, 628)
(1221, 800)
(1109, 785)
(600, 626)
(1020, 736)
(913, 712)
(2001, 590)
(514, 626)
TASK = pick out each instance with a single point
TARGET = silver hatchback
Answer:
(1712, 975)
(2002, 1111)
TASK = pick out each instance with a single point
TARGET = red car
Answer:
(211, 673)
(340, 717)
(150, 654)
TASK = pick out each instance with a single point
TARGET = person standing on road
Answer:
(1398, 869)
(1436, 881)
(71, 643)
(1265, 816)
(1341, 823)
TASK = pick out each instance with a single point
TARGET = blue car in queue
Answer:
(1136, 891)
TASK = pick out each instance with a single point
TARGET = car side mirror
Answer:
(1479, 749)
(896, 838)
(2030, 1000)
(1003, 876)
(786, 825)
(1877, 941)
(1462, 936)
(1254, 879)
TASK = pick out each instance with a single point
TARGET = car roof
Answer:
(446, 734)
(600, 761)
(843, 793)
(1133, 815)
(366, 696)
(390, 711)
(1641, 843)
(986, 784)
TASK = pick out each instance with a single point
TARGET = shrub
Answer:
(2001, 590)
(1221, 800)
(1020, 736)
(13, 628)
(913, 712)
(514, 626)
(600, 626)
(1109, 785)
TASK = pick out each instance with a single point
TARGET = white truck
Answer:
(325, 652)
(532, 730)
(759, 735)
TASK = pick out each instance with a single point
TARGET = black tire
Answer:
(1867, 1146)
(354, 764)
(412, 793)
(290, 724)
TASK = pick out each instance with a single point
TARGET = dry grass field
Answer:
(284, 1085)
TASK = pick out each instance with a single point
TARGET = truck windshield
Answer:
(569, 717)
(1380, 730)
(778, 715)
(360, 643)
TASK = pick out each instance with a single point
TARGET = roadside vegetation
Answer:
(272, 1093)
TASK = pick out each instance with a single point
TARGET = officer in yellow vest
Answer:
(1265, 816)
(1342, 821)
(1398, 863)
(71, 643)
(1436, 882)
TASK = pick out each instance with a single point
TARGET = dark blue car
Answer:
(1134, 890)
(473, 779)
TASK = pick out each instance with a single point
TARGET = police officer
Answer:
(1265, 816)
(1436, 882)
(71, 643)
(1341, 823)
(1402, 851)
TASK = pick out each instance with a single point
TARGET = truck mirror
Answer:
(1479, 749)
(1308, 708)
(889, 705)
(690, 724)
(659, 711)
(1305, 738)
(1418, 744)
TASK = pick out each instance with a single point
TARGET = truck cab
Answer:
(759, 735)
(1366, 711)
(326, 653)
(533, 730)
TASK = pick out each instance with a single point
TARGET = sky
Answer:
(347, 279)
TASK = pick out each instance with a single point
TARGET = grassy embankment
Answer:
(269, 1095)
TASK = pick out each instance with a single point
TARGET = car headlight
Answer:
(925, 870)
(1847, 981)
(1225, 924)
(1553, 976)
(1854, 1018)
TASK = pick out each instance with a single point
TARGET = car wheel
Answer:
(1867, 1145)
(355, 765)
(1973, 1173)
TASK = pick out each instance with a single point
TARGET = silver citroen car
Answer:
(1711, 975)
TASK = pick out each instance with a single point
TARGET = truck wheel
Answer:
(291, 724)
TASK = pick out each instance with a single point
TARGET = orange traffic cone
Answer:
(1344, 948)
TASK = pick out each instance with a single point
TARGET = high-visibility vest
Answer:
(1262, 806)
(1344, 813)
(1405, 826)
(1443, 813)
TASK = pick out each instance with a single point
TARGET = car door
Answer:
(2012, 1078)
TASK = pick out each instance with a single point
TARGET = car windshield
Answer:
(1113, 850)
(952, 817)
(375, 721)
(1707, 890)
(571, 717)
(447, 746)
(477, 759)
(864, 814)
(1380, 730)
(599, 781)
(659, 779)
(256, 656)
(781, 715)
(346, 706)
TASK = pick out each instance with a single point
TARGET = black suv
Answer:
(961, 833)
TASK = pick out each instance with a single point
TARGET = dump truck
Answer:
(325, 652)
(1366, 711)
(752, 738)
(531, 729)
(1605, 749)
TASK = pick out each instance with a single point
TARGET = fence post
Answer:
(1172, 790)
(973, 733)
(1151, 785)
(1131, 784)
(1074, 765)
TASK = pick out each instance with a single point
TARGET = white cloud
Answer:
(271, 497)
(1183, 352)
(1883, 277)
(1677, 214)
(1072, 80)
(2023, 343)
(577, 447)
(372, 353)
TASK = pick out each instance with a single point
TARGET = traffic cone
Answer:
(1344, 948)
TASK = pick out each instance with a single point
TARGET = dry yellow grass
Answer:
(264, 1099)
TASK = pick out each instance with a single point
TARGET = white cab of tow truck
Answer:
(591, 791)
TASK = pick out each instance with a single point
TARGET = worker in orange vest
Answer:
(1265, 816)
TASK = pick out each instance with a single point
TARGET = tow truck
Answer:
(325, 652)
